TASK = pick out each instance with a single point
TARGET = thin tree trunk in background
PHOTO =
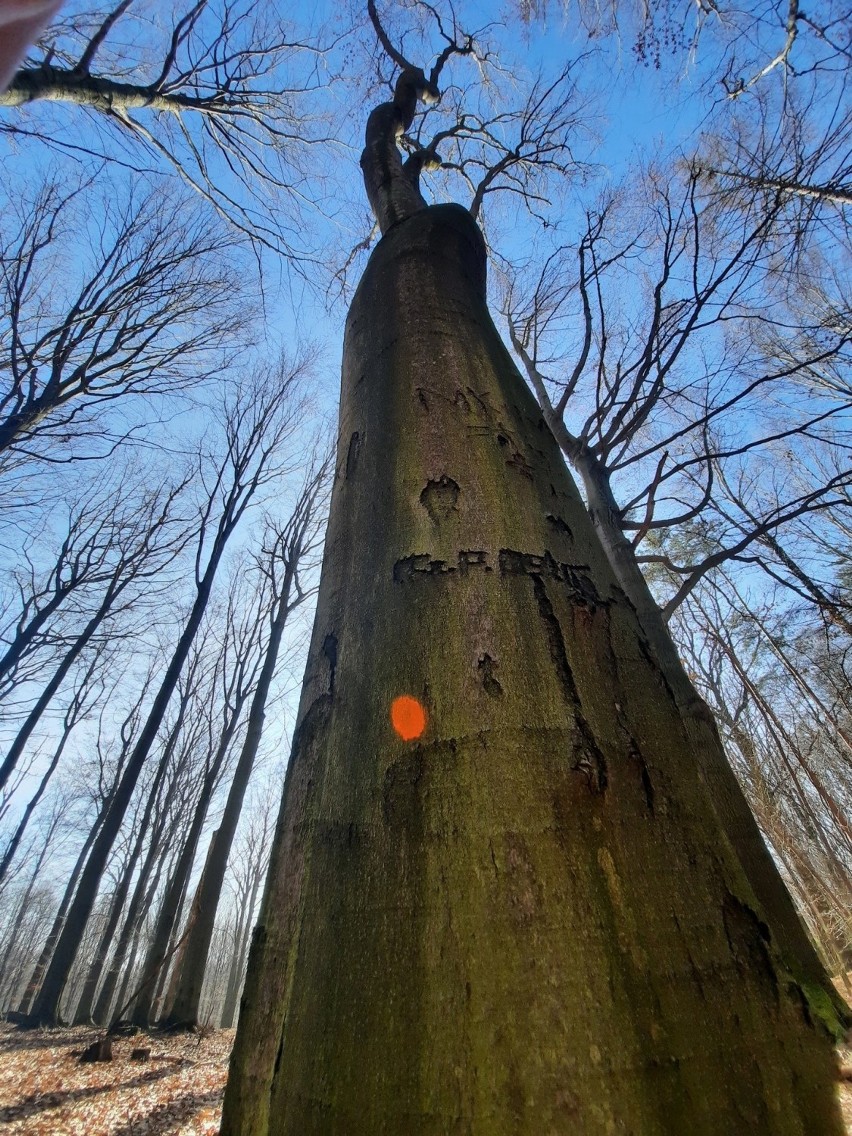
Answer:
(187, 998)
(515, 911)
(126, 732)
(132, 954)
(142, 894)
(83, 1013)
(163, 963)
(260, 418)
(15, 751)
(20, 916)
(168, 916)
(192, 918)
(18, 834)
(238, 960)
(37, 976)
(173, 900)
(46, 1006)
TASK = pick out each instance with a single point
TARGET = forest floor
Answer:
(177, 1091)
(46, 1091)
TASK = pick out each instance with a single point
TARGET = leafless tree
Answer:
(98, 782)
(150, 825)
(505, 150)
(136, 538)
(653, 398)
(13, 959)
(247, 871)
(219, 710)
(742, 45)
(139, 304)
(218, 98)
(88, 689)
(257, 425)
(287, 565)
(780, 689)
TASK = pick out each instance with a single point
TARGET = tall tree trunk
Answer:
(726, 793)
(132, 920)
(187, 998)
(46, 1006)
(164, 960)
(83, 1014)
(38, 972)
(180, 955)
(123, 999)
(519, 913)
(169, 913)
(173, 900)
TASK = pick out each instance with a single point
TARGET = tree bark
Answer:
(726, 793)
(57, 84)
(526, 918)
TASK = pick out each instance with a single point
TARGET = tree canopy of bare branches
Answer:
(135, 302)
(217, 94)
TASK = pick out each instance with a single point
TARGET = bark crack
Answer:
(329, 649)
(486, 667)
(590, 761)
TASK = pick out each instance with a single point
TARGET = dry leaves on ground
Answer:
(46, 1091)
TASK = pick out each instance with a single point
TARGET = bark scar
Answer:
(329, 649)
(352, 453)
(590, 761)
(486, 667)
(439, 498)
(559, 524)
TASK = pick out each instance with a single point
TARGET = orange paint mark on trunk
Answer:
(408, 717)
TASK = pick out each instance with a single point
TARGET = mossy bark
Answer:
(526, 920)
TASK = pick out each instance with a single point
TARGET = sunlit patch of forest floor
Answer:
(46, 1091)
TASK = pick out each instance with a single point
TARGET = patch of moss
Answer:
(823, 1008)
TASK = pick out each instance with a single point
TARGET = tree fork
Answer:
(527, 917)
